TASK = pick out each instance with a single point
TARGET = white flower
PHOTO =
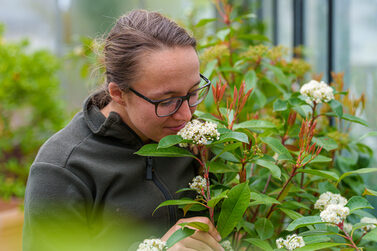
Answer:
(198, 183)
(347, 227)
(152, 245)
(226, 245)
(199, 132)
(372, 221)
(329, 198)
(334, 213)
(317, 91)
(291, 242)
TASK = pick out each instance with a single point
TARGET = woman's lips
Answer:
(177, 128)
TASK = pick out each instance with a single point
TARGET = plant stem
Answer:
(348, 237)
(281, 192)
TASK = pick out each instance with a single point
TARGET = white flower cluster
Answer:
(333, 207)
(372, 221)
(291, 242)
(329, 198)
(198, 183)
(226, 245)
(334, 214)
(317, 91)
(152, 245)
(199, 132)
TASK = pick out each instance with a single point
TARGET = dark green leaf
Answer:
(227, 136)
(179, 235)
(254, 124)
(337, 107)
(358, 202)
(371, 236)
(359, 171)
(270, 165)
(169, 140)
(216, 199)
(260, 198)
(233, 209)
(277, 146)
(264, 228)
(325, 174)
(221, 167)
(290, 213)
(319, 246)
(197, 225)
(173, 151)
(177, 202)
(351, 118)
(303, 222)
(327, 143)
(264, 245)
(280, 105)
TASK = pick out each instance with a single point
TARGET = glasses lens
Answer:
(168, 107)
(198, 95)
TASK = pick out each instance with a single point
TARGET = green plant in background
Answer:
(278, 165)
(30, 110)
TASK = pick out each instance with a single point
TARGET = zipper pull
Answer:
(149, 175)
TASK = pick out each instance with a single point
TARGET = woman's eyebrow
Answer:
(174, 92)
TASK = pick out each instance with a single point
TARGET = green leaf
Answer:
(251, 80)
(264, 245)
(324, 174)
(371, 236)
(290, 213)
(260, 198)
(270, 165)
(233, 209)
(197, 225)
(337, 107)
(358, 202)
(221, 167)
(277, 146)
(176, 203)
(264, 228)
(359, 171)
(280, 105)
(169, 140)
(179, 235)
(351, 118)
(222, 34)
(254, 124)
(319, 246)
(205, 21)
(369, 192)
(228, 135)
(216, 199)
(210, 67)
(316, 233)
(253, 37)
(173, 151)
(303, 222)
(327, 143)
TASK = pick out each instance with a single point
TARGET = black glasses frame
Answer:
(183, 98)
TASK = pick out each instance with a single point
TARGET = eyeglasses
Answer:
(169, 106)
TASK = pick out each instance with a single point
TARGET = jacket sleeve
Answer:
(56, 210)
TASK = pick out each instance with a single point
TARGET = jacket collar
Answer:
(112, 126)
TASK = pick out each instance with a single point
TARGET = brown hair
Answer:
(133, 35)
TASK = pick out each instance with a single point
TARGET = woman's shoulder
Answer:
(58, 147)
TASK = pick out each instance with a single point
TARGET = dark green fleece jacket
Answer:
(87, 190)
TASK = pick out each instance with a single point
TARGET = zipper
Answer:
(149, 176)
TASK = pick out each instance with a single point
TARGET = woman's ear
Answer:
(116, 93)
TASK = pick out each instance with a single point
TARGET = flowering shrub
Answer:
(274, 163)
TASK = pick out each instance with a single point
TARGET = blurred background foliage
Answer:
(44, 81)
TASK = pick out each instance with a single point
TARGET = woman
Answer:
(87, 188)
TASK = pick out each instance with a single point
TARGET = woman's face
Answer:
(163, 74)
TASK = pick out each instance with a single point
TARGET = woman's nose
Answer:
(184, 112)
